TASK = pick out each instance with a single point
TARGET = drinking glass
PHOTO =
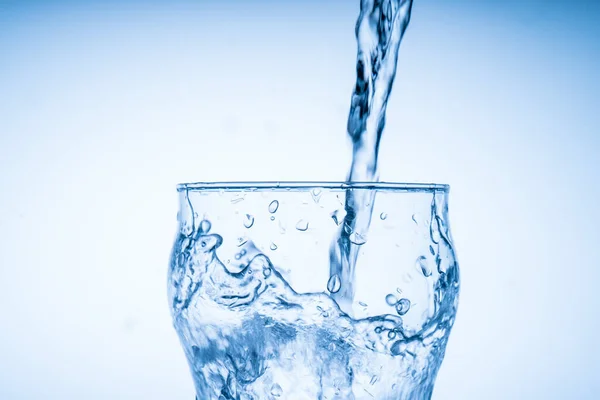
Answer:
(254, 289)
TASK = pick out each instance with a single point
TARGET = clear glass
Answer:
(253, 299)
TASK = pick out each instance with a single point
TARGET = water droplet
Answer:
(243, 252)
(363, 304)
(337, 217)
(431, 250)
(414, 218)
(273, 206)
(272, 218)
(266, 272)
(276, 390)
(357, 238)
(248, 221)
(402, 306)
(273, 246)
(316, 195)
(383, 216)
(302, 225)
(238, 256)
(422, 265)
(391, 300)
(391, 334)
(334, 284)
(205, 226)
(378, 329)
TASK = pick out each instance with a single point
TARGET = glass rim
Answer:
(304, 185)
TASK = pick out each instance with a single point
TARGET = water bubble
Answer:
(402, 306)
(422, 265)
(205, 226)
(272, 218)
(383, 216)
(273, 246)
(391, 300)
(378, 330)
(266, 272)
(238, 256)
(398, 348)
(357, 238)
(334, 284)
(243, 252)
(302, 225)
(391, 334)
(276, 390)
(273, 206)
(363, 304)
(248, 221)
(337, 217)
(431, 250)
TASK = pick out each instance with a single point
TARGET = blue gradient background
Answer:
(105, 106)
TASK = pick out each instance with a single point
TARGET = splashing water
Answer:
(249, 335)
(379, 31)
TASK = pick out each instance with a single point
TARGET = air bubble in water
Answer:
(273, 206)
(272, 218)
(334, 284)
(422, 264)
(402, 306)
(248, 221)
(302, 225)
(383, 216)
(391, 300)
(276, 390)
(398, 348)
(337, 217)
(357, 238)
(205, 226)
(391, 334)
(273, 246)
(266, 272)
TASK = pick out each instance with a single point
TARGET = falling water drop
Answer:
(273, 206)
(334, 284)
(316, 195)
(383, 216)
(273, 246)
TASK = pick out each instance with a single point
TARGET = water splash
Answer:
(248, 334)
(379, 31)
